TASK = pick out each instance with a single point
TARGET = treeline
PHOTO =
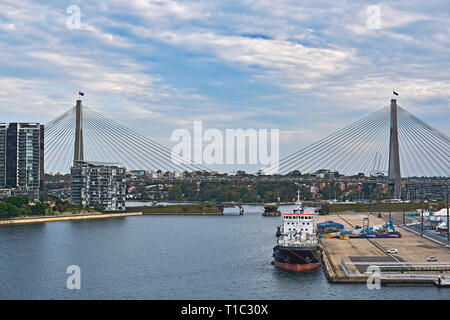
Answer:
(239, 192)
(17, 206)
(376, 207)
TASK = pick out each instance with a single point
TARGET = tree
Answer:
(175, 193)
(295, 173)
(17, 201)
(8, 210)
(98, 207)
(39, 209)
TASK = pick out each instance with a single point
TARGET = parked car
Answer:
(393, 250)
(432, 259)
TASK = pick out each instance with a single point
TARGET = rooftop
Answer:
(100, 164)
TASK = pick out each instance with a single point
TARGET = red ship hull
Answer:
(297, 267)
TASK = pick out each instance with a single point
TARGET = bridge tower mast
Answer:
(78, 148)
(395, 182)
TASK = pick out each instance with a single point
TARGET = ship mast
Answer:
(299, 202)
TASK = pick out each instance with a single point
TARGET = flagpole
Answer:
(394, 94)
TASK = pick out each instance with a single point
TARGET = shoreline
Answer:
(181, 214)
(44, 219)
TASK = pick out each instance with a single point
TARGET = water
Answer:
(151, 204)
(166, 257)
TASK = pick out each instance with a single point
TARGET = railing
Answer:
(400, 276)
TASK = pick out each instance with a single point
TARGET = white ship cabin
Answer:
(298, 222)
(298, 227)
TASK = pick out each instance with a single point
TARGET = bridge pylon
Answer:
(394, 175)
(78, 154)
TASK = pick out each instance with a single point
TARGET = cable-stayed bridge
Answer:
(390, 140)
(84, 134)
(364, 147)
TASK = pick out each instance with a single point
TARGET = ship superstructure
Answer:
(297, 247)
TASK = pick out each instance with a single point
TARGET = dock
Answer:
(353, 260)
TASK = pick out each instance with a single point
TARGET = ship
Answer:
(271, 210)
(297, 247)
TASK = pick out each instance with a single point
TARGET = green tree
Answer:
(175, 193)
(8, 210)
(98, 207)
(17, 201)
(39, 209)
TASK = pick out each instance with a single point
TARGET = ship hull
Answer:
(271, 214)
(297, 259)
(296, 267)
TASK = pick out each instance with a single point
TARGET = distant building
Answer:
(177, 174)
(22, 158)
(139, 173)
(4, 193)
(169, 175)
(155, 175)
(96, 183)
(62, 193)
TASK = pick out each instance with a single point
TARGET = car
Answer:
(432, 259)
(392, 250)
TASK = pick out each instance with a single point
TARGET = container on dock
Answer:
(329, 226)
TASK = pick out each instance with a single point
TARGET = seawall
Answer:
(66, 218)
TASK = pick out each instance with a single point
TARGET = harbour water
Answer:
(167, 257)
(153, 204)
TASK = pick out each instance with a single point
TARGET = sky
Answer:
(306, 68)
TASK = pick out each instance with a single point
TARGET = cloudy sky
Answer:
(305, 67)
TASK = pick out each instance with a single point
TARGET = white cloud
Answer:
(7, 26)
(287, 60)
(156, 9)
(318, 56)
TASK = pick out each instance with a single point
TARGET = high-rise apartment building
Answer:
(95, 183)
(22, 157)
